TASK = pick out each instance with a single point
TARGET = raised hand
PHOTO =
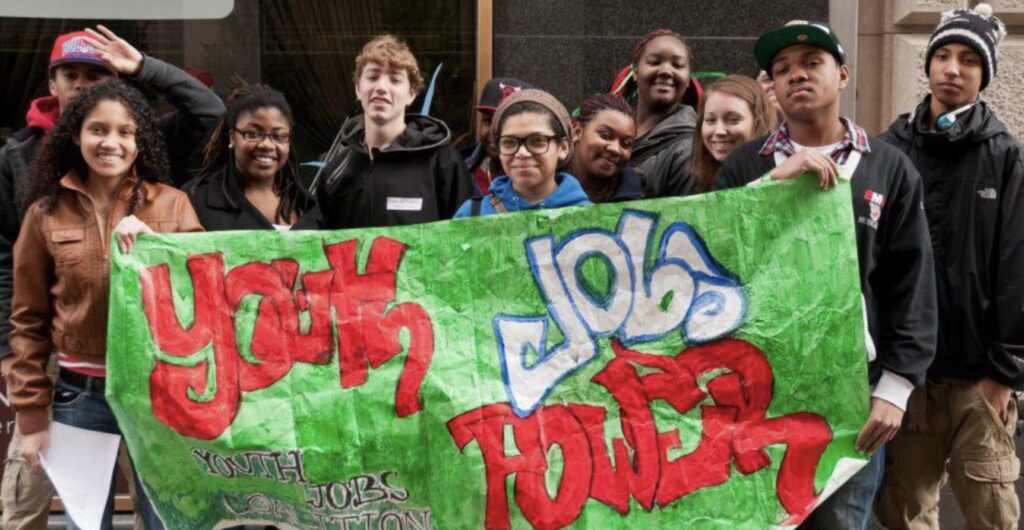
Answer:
(117, 53)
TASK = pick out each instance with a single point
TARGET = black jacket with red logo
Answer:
(973, 176)
(896, 270)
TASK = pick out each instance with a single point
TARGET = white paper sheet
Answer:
(80, 464)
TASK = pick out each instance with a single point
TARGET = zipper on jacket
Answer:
(105, 229)
(373, 190)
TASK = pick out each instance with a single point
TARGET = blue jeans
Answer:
(85, 409)
(849, 508)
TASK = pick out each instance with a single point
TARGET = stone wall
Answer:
(574, 48)
(893, 36)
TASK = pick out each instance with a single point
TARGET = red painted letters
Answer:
(735, 432)
(200, 397)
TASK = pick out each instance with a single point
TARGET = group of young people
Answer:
(937, 213)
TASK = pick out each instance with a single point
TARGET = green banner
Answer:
(682, 363)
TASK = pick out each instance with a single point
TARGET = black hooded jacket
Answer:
(973, 177)
(417, 179)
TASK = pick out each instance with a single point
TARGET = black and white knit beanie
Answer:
(978, 29)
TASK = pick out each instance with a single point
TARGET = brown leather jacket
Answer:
(62, 281)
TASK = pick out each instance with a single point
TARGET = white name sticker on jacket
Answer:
(405, 204)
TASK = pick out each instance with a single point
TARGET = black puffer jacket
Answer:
(417, 179)
(662, 156)
(973, 177)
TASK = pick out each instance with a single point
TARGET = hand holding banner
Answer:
(691, 362)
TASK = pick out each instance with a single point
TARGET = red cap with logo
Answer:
(74, 48)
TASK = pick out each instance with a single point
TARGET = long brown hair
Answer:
(703, 166)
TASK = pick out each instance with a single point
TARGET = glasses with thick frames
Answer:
(278, 138)
(536, 144)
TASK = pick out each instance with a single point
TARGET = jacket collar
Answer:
(223, 193)
(630, 186)
(43, 114)
(73, 182)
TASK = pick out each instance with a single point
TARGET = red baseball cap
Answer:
(74, 48)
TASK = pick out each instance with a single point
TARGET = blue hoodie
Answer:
(568, 193)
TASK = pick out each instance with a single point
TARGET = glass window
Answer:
(304, 48)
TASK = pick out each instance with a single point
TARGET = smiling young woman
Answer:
(735, 110)
(250, 178)
(665, 125)
(604, 133)
(96, 179)
(531, 132)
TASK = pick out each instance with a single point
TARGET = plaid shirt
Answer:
(855, 138)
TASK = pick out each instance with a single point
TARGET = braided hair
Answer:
(218, 156)
(591, 106)
(638, 49)
(61, 154)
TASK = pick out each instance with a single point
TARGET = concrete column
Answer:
(842, 17)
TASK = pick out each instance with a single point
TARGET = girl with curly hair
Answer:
(250, 177)
(97, 179)
(604, 133)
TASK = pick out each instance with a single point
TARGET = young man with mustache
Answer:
(806, 62)
(961, 423)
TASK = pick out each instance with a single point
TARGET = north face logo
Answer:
(987, 193)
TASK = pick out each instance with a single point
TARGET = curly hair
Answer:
(392, 52)
(217, 155)
(61, 154)
(703, 165)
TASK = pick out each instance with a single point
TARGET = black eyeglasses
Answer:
(278, 138)
(536, 144)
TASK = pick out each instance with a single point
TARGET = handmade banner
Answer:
(688, 363)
